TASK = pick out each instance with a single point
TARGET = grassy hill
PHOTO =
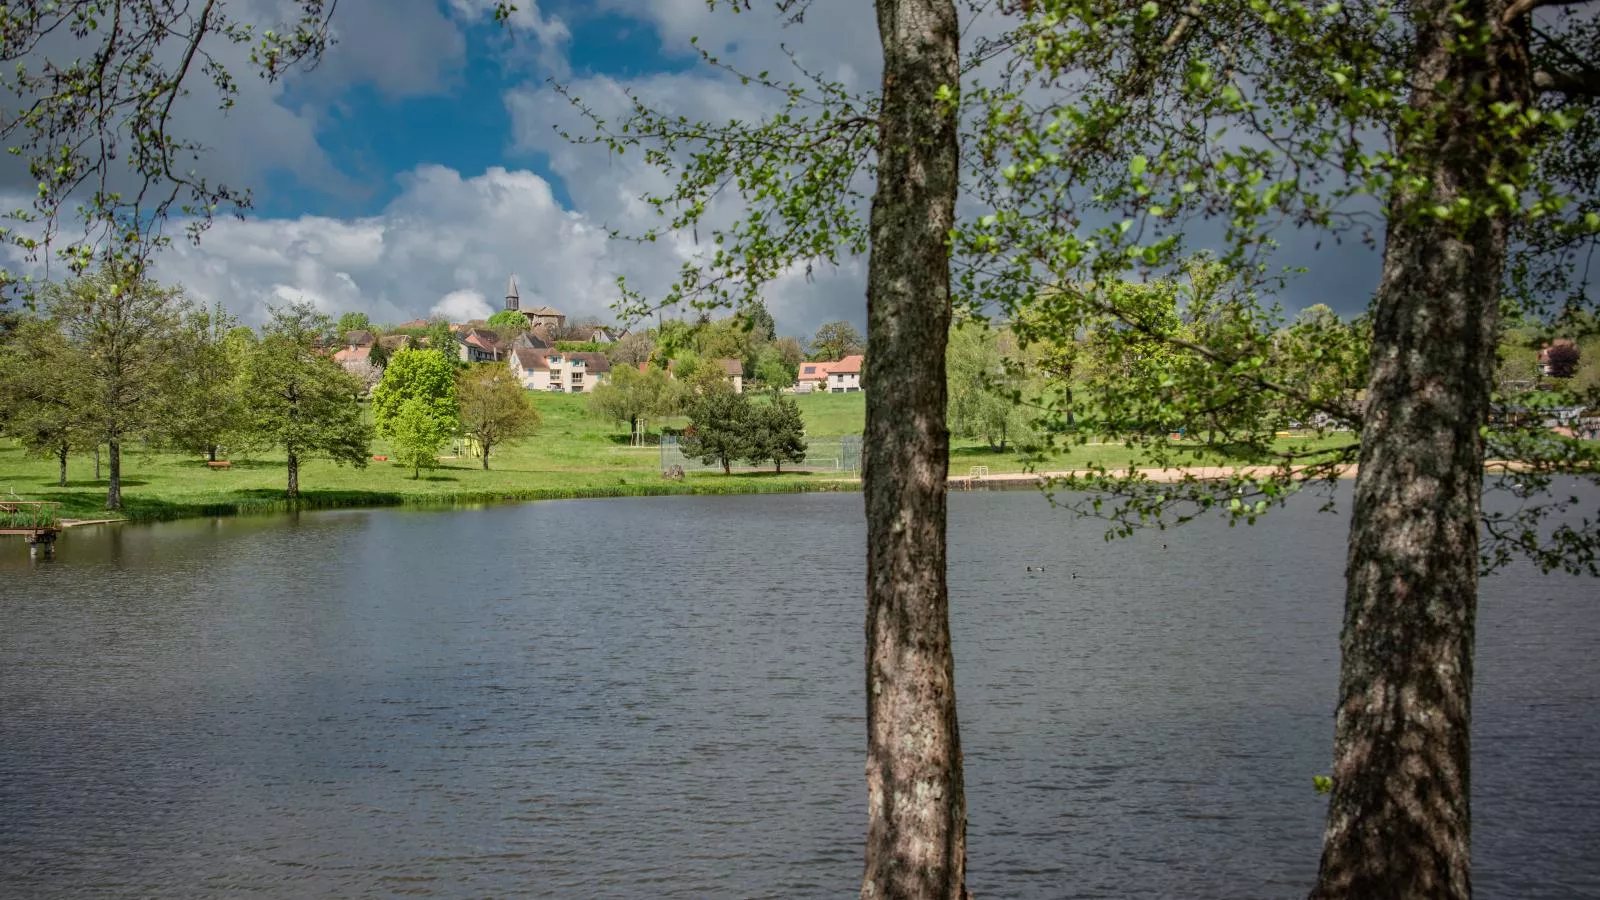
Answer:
(572, 455)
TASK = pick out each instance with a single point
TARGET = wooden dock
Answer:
(37, 521)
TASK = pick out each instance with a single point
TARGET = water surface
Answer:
(662, 698)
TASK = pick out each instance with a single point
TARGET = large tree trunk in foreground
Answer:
(1399, 820)
(917, 825)
(294, 475)
(114, 487)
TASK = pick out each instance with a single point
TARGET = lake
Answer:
(662, 698)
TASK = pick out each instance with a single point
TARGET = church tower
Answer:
(513, 301)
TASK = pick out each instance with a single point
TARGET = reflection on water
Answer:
(661, 698)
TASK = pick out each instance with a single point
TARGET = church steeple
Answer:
(513, 301)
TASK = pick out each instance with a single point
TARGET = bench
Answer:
(219, 464)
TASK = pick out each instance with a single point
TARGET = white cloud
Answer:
(462, 306)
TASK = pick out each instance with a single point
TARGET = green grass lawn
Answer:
(572, 455)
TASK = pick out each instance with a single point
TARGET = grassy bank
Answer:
(573, 455)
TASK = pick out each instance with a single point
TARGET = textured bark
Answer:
(1399, 819)
(114, 468)
(916, 832)
(294, 474)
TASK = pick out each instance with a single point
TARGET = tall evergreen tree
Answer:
(719, 429)
(777, 433)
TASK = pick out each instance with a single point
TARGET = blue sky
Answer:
(373, 137)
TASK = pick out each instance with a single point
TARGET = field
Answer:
(572, 455)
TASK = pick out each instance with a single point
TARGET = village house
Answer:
(735, 372)
(358, 337)
(351, 356)
(560, 371)
(475, 345)
(813, 376)
(844, 376)
(538, 315)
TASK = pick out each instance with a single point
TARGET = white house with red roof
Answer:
(813, 376)
(844, 376)
(559, 371)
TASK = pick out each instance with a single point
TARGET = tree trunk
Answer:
(727, 467)
(294, 475)
(96, 462)
(1399, 819)
(212, 450)
(916, 807)
(61, 455)
(114, 488)
(486, 457)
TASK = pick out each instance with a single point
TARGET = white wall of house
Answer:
(840, 382)
(568, 376)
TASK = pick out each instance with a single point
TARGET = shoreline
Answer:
(310, 501)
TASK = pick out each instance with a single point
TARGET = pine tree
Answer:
(777, 433)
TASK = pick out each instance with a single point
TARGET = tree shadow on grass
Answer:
(985, 452)
(251, 464)
(739, 474)
(102, 484)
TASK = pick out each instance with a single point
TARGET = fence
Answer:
(823, 453)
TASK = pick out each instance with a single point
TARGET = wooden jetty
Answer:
(37, 521)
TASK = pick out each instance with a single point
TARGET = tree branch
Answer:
(1581, 84)
(1520, 8)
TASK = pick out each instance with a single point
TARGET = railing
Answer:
(35, 515)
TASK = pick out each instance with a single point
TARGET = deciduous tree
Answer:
(631, 394)
(494, 408)
(1135, 123)
(836, 340)
(41, 380)
(985, 387)
(427, 375)
(417, 431)
(208, 407)
(300, 400)
(353, 321)
(509, 318)
(128, 332)
(632, 350)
